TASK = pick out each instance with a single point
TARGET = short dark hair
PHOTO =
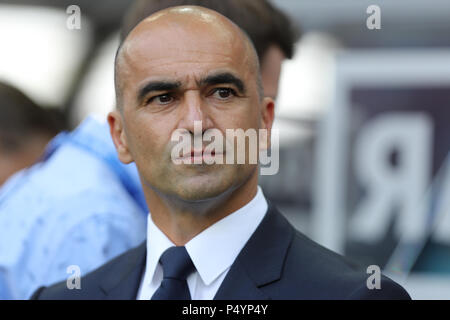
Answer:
(20, 117)
(262, 22)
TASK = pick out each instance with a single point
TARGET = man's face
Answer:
(173, 77)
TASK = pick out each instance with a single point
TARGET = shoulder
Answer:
(63, 192)
(94, 285)
(312, 271)
(333, 276)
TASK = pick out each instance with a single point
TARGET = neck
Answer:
(182, 220)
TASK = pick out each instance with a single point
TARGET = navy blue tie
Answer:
(177, 266)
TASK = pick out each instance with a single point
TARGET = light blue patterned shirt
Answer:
(79, 206)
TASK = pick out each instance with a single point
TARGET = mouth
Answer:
(199, 156)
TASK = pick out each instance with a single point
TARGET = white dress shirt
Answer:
(212, 251)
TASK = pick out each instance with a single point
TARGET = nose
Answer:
(192, 111)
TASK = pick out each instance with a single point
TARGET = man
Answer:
(211, 233)
(81, 206)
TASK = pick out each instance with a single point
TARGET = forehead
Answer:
(171, 50)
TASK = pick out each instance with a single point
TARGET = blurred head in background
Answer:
(270, 30)
(25, 130)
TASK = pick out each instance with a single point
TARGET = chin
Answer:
(204, 186)
(202, 191)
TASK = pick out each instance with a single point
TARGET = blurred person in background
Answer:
(25, 130)
(81, 206)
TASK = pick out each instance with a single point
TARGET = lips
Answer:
(200, 154)
(196, 153)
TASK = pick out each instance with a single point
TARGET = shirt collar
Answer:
(213, 250)
(157, 243)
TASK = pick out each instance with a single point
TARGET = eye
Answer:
(223, 93)
(161, 99)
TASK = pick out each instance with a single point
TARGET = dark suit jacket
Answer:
(277, 262)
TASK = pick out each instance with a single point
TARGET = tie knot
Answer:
(176, 263)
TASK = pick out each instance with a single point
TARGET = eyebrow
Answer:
(224, 78)
(219, 78)
(156, 86)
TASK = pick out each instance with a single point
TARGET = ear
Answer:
(267, 117)
(118, 134)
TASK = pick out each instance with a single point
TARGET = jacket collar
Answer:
(123, 277)
(261, 261)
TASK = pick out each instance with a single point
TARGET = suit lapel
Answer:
(261, 260)
(237, 285)
(122, 281)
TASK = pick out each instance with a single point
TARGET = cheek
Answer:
(148, 139)
(251, 117)
(244, 116)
